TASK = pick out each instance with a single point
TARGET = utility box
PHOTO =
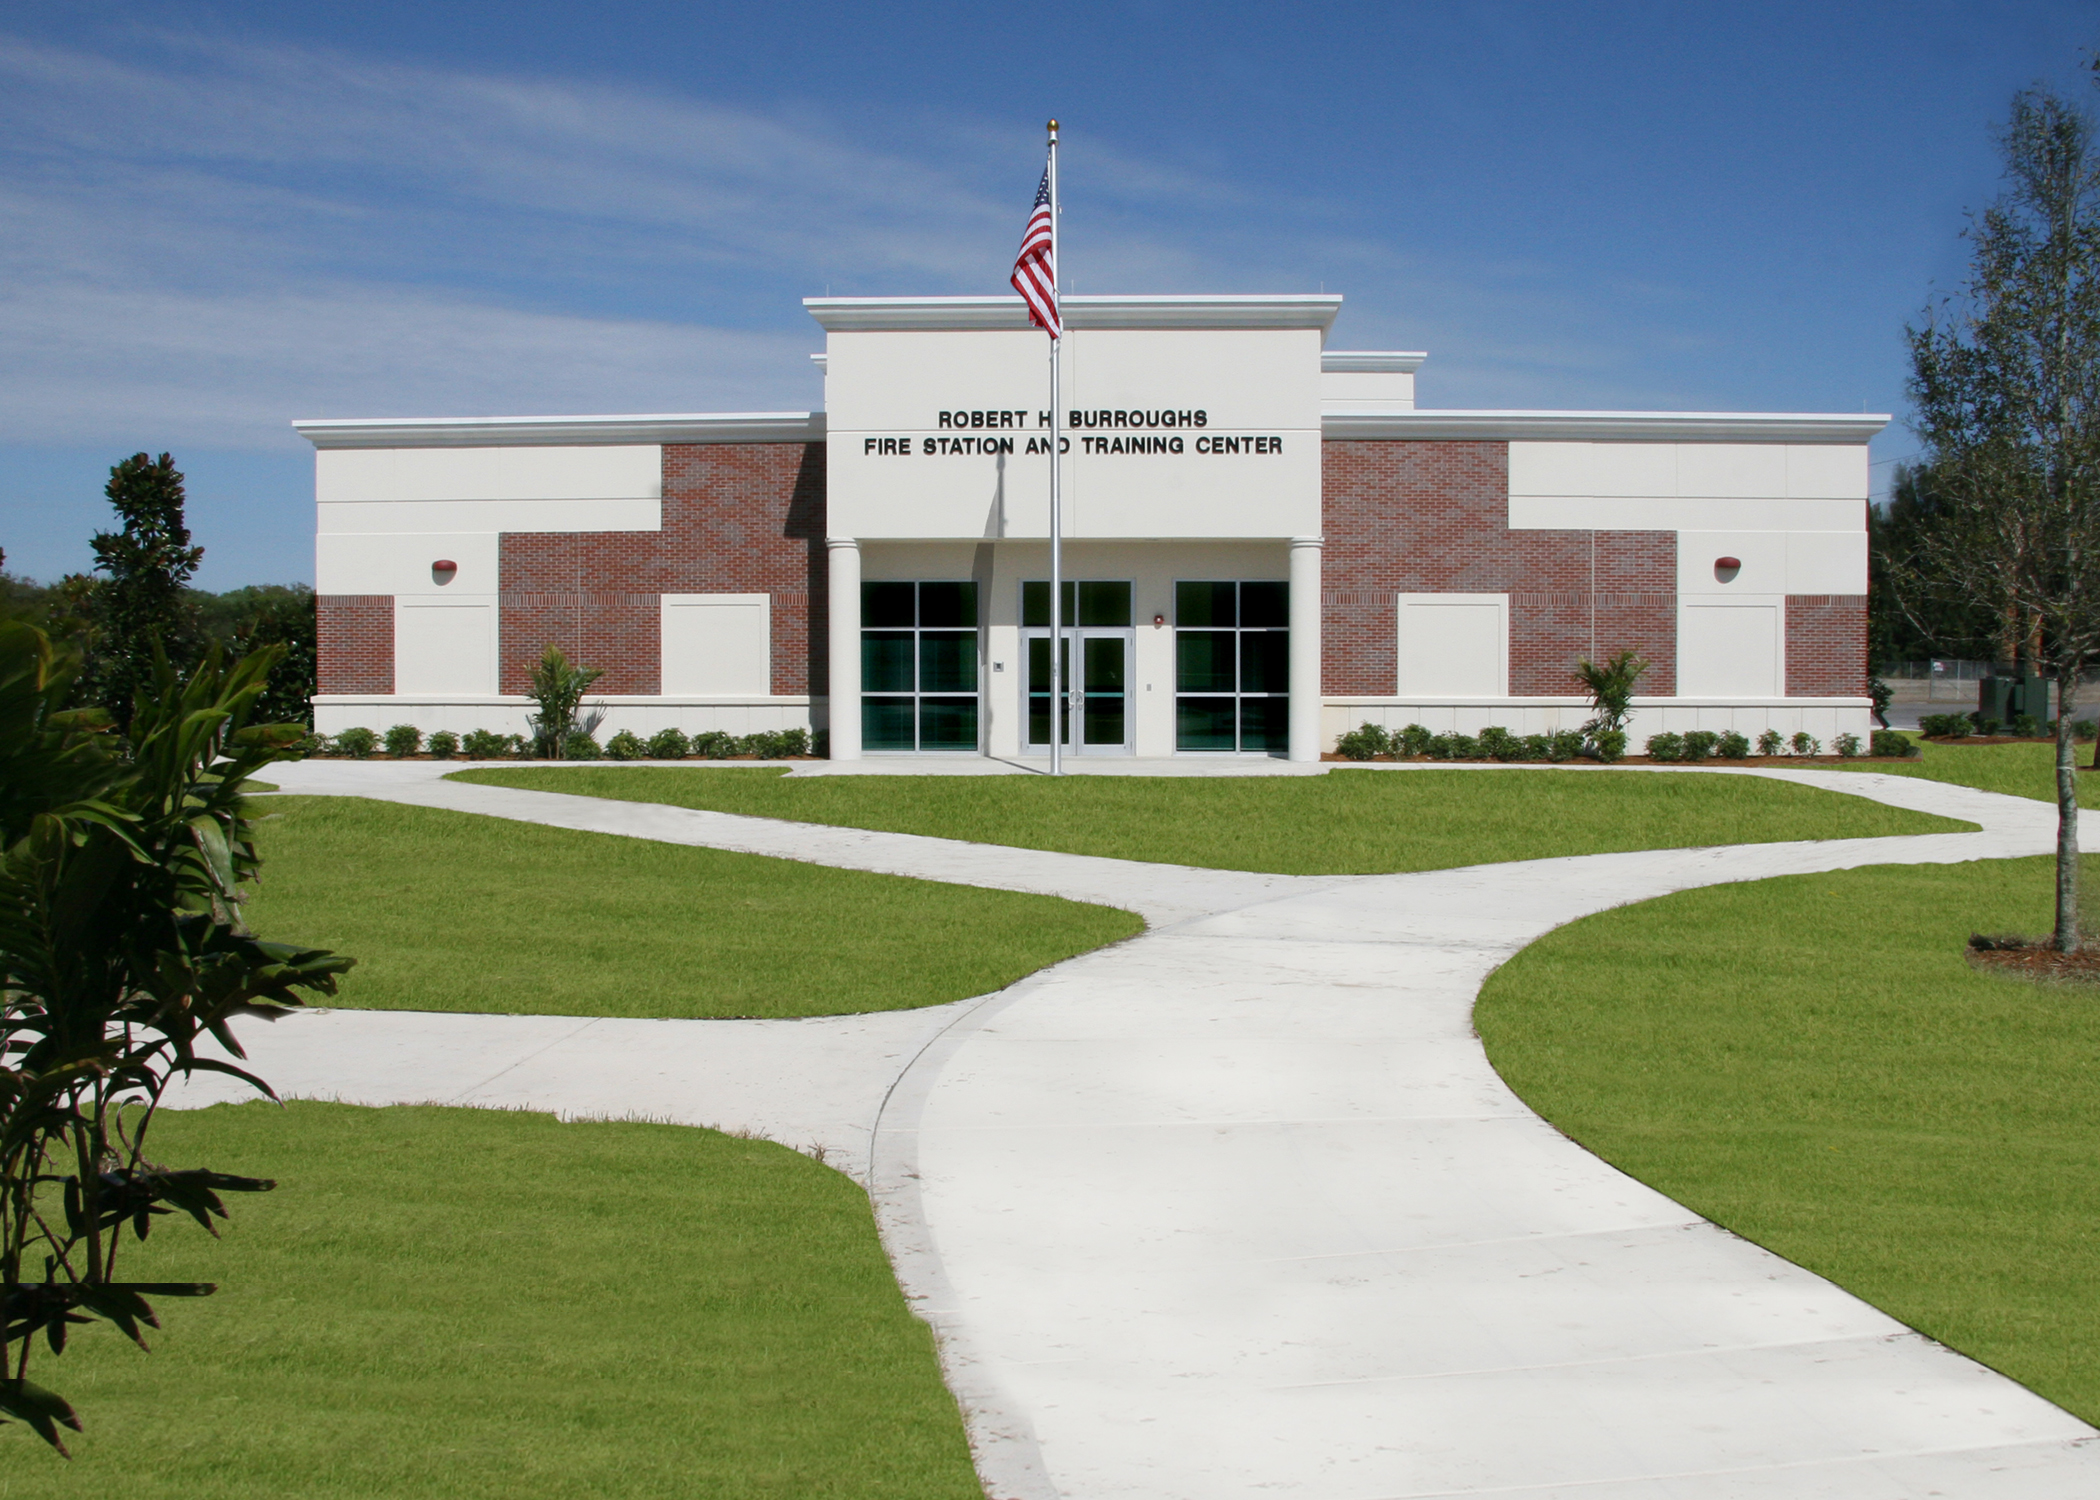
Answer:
(2006, 698)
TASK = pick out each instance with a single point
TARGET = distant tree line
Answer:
(137, 605)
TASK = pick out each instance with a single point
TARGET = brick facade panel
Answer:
(354, 643)
(738, 518)
(1405, 517)
(1826, 645)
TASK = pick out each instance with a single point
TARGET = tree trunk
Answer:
(2066, 939)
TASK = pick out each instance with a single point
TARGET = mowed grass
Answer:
(1345, 823)
(448, 911)
(2018, 770)
(1811, 1062)
(466, 1303)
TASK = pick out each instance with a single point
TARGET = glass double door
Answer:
(1093, 712)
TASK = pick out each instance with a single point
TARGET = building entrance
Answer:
(1093, 712)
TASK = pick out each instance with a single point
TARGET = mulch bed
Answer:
(1640, 760)
(2033, 958)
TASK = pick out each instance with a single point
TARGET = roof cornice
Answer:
(974, 314)
(1371, 361)
(544, 432)
(1608, 426)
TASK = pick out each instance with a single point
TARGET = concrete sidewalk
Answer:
(1239, 1208)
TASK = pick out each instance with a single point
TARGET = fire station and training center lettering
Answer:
(1267, 542)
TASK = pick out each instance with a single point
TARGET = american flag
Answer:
(1035, 274)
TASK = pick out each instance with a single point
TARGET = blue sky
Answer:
(217, 218)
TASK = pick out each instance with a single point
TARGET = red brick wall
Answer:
(355, 643)
(1826, 645)
(738, 518)
(1433, 517)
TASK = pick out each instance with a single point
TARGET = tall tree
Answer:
(2006, 388)
(141, 610)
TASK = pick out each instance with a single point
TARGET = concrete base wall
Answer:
(507, 714)
(1825, 718)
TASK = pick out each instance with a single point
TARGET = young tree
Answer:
(2006, 388)
(140, 609)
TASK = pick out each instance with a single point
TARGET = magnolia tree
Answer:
(122, 862)
(2006, 388)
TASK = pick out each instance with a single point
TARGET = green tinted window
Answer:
(1200, 604)
(948, 605)
(1203, 661)
(885, 661)
(948, 661)
(1265, 604)
(886, 604)
(1104, 604)
(1035, 602)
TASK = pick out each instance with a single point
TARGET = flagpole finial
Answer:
(1053, 130)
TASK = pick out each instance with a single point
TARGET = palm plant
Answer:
(122, 862)
(1611, 686)
(558, 687)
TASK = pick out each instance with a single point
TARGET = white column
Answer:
(844, 555)
(1305, 648)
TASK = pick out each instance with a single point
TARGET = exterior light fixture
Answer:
(1725, 568)
(444, 570)
(1158, 620)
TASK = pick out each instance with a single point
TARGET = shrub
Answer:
(776, 744)
(1846, 745)
(1537, 747)
(485, 744)
(1666, 746)
(1453, 747)
(1608, 745)
(1771, 742)
(1497, 743)
(1891, 742)
(1365, 742)
(444, 745)
(2084, 729)
(403, 740)
(316, 743)
(1804, 743)
(1732, 746)
(557, 688)
(356, 743)
(626, 745)
(1413, 740)
(820, 744)
(577, 745)
(1700, 743)
(714, 744)
(1943, 726)
(669, 744)
(2027, 726)
(1563, 745)
(1611, 686)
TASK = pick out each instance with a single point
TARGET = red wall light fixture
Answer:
(1725, 568)
(1157, 621)
(444, 570)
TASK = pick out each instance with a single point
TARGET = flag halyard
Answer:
(1035, 268)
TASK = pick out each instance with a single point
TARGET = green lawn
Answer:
(2018, 770)
(1346, 823)
(464, 1303)
(448, 911)
(1811, 1062)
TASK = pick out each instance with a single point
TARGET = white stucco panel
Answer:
(1731, 471)
(444, 646)
(1827, 471)
(1827, 562)
(381, 563)
(1592, 513)
(1761, 553)
(612, 472)
(411, 516)
(1713, 471)
(716, 643)
(1454, 645)
(1734, 648)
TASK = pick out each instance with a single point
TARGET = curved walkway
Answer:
(1239, 1208)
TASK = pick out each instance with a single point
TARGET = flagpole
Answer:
(1060, 712)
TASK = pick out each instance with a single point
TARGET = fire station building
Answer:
(1266, 543)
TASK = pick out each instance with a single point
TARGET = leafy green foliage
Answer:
(1771, 742)
(1891, 742)
(669, 744)
(357, 743)
(626, 745)
(579, 745)
(557, 688)
(1732, 746)
(403, 740)
(139, 609)
(1365, 742)
(1608, 745)
(444, 745)
(1699, 744)
(1846, 745)
(1944, 726)
(485, 744)
(121, 949)
(1666, 746)
(1804, 743)
(1610, 683)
